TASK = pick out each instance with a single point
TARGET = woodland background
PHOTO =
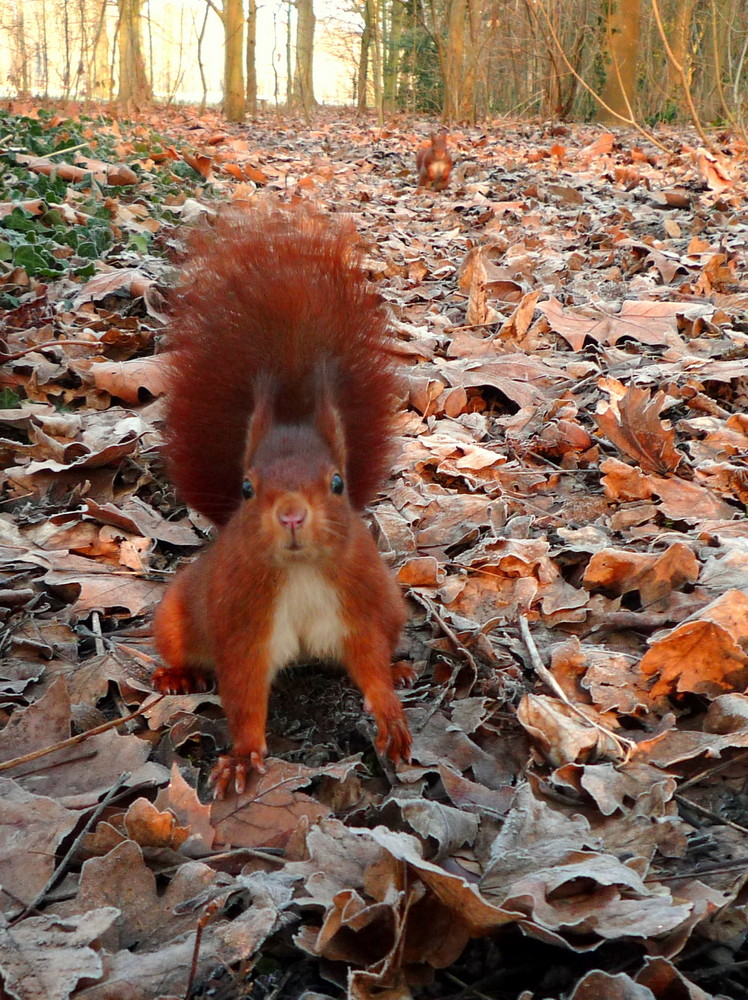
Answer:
(647, 60)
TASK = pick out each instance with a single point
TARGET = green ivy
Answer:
(42, 242)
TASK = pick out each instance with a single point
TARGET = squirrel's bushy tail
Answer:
(274, 295)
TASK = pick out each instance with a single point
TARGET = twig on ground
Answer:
(627, 747)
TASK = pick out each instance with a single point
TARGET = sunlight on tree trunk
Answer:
(18, 74)
(134, 86)
(234, 99)
(622, 33)
(303, 91)
(375, 48)
(363, 62)
(99, 81)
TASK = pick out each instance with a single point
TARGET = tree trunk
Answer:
(99, 82)
(622, 31)
(303, 75)
(470, 63)
(45, 49)
(200, 66)
(251, 59)
(714, 99)
(375, 45)
(18, 74)
(679, 44)
(133, 81)
(289, 64)
(66, 76)
(554, 69)
(234, 100)
(454, 60)
(363, 63)
(392, 54)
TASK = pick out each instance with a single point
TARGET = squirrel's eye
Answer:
(248, 490)
(336, 484)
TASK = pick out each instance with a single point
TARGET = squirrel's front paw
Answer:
(404, 674)
(180, 680)
(393, 737)
(233, 772)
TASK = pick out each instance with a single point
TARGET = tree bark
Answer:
(303, 73)
(363, 63)
(375, 47)
(289, 64)
(134, 86)
(715, 99)
(454, 60)
(234, 99)
(622, 32)
(392, 54)
(200, 66)
(681, 25)
(99, 82)
(471, 59)
(251, 57)
(19, 71)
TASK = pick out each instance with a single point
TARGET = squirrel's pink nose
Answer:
(292, 518)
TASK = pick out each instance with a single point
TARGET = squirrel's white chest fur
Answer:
(307, 620)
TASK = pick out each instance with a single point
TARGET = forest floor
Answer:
(566, 515)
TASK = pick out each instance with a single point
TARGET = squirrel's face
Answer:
(295, 496)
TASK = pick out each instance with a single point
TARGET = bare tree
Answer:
(289, 50)
(303, 79)
(134, 85)
(622, 38)
(18, 73)
(232, 19)
(393, 17)
(98, 83)
(201, 67)
(375, 49)
(251, 57)
(454, 58)
(234, 98)
(679, 43)
(363, 62)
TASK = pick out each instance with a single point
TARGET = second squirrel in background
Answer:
(434, 163)
(279, 412)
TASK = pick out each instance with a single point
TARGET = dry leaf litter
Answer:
(567, 516)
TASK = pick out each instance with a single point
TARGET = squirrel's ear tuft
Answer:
(262, 416)
(327, 417)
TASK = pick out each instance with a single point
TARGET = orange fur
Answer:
(280, 380)
(434, 163)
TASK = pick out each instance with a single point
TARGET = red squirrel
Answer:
(278, 428)
(434, 163)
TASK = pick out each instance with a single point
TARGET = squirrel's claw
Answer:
(180, 680)
(235, 771)
(394, 739)
(404, 674)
